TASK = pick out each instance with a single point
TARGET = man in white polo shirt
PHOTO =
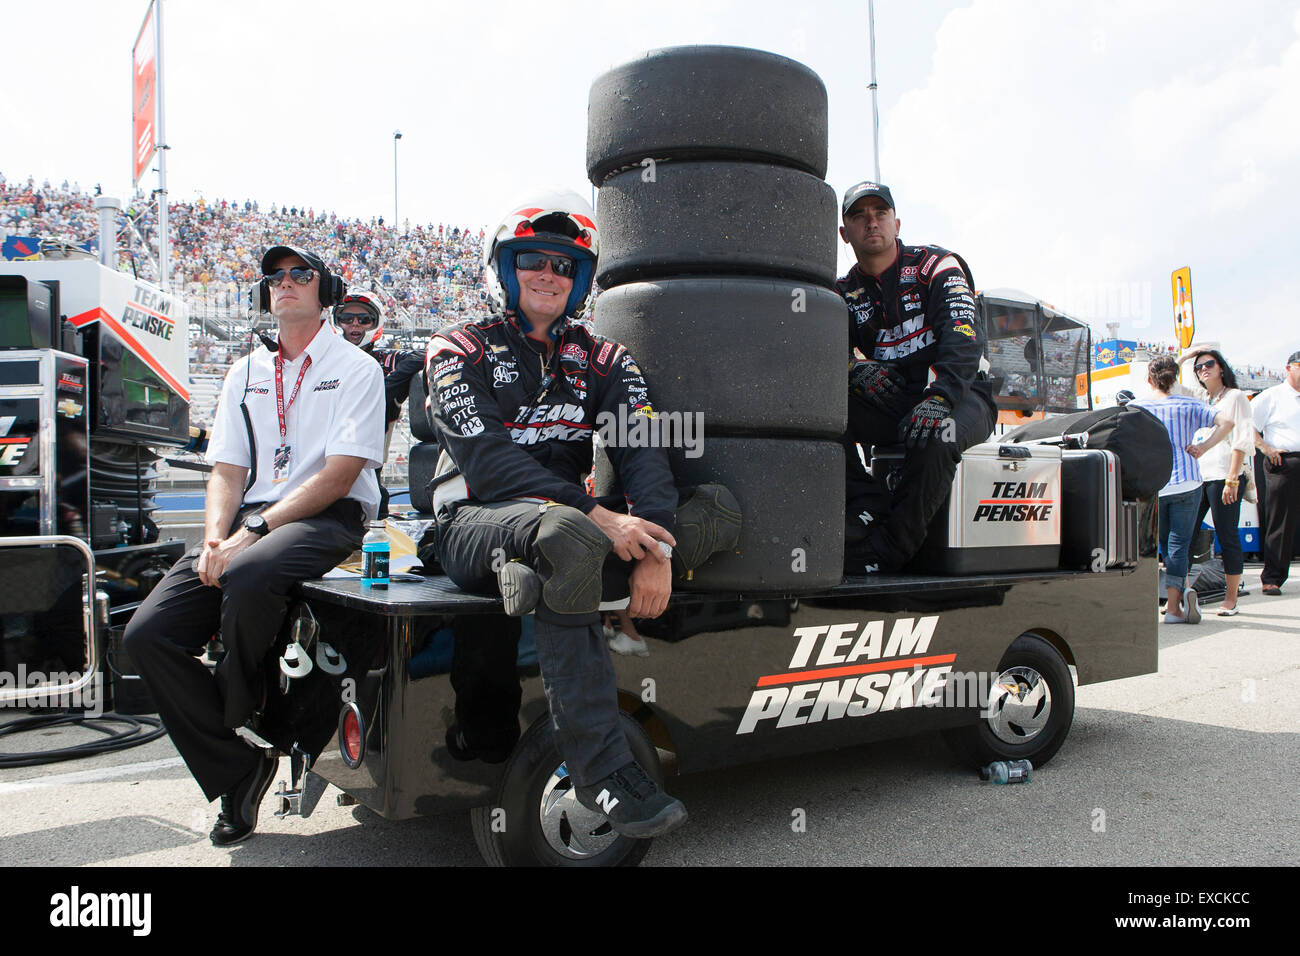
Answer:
(298, 433)
(1277, 435)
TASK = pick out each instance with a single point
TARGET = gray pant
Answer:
(571, 653)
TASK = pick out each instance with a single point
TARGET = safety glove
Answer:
(926, 421)
(876, 384)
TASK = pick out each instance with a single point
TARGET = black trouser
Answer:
(166, 637)
(899, 519)
(1226, 520)
(1281, 517)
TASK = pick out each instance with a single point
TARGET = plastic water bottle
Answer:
(374, 556)
(1008, 771)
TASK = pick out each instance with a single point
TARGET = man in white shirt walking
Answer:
(299, 430)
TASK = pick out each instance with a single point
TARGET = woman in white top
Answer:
(1222, 466)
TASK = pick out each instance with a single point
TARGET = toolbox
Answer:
(1003, 513)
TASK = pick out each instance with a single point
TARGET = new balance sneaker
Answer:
(238, 817)
(521, 588)
(633, 803)
(706, 524)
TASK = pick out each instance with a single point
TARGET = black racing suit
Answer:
(920, 319)
(400, 366)
(517, 418)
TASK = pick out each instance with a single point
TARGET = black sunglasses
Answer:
(353, 318)
(562, 266)
(1204, 365)
(300, 276)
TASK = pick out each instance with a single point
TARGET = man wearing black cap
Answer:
(919, 376)
(1277, 434)
(299, 428)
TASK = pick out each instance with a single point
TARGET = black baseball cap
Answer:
(1294, 359)
(275, 253)
(855, 193)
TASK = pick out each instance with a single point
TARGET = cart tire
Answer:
(532, 820)
(710, 218)
(707, 102)
(1032, 728)
(791, 495)
(421, 424)
(737, 390)
(420, 470)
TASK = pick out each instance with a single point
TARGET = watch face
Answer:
(256, 524)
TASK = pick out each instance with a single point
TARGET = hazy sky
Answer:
(1079, 151)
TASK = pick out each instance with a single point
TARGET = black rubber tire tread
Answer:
(519, 794)
(976, 745)
(735, 351)
(791, 495)
(421, 424)
(711, 218)
(420, 471)
(707, 102)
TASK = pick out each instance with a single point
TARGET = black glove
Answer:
(877, 384)
(926, 421)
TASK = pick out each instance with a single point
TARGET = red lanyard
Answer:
(280, 405)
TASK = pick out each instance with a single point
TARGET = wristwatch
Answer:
(257, 525)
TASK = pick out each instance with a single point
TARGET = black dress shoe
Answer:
(238, 817)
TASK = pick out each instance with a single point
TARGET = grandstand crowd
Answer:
(428, 274)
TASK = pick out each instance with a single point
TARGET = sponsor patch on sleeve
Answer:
(964, 329)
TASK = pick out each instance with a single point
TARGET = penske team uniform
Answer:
(919, 318)
(516, 430)
(338, 410)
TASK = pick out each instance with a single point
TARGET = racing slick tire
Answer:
(737, 390)
(421, 424)
(536, 819)
(420, 470)
(791, 496)
(707, 102)
(712, 218)
(1031, 707)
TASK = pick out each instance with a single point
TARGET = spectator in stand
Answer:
(1182, 416)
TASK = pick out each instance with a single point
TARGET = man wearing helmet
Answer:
(921, 378)
(515, 398)
(360, 318)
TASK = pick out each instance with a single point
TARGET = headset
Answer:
(330, 290)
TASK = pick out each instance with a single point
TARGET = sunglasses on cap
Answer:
(1208, 363)
(562, 266)
(357, 318)
(300, 276)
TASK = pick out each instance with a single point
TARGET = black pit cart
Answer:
(730, 679)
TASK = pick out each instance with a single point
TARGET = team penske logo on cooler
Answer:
(851, 670)
(1016, 501)
(12, 447)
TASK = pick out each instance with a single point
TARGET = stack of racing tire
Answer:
(717, 261)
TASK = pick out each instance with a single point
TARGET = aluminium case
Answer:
(1003, 513)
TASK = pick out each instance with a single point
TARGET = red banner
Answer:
(144, 95)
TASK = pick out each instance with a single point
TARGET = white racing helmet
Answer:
(560, 222)
(374, 305)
